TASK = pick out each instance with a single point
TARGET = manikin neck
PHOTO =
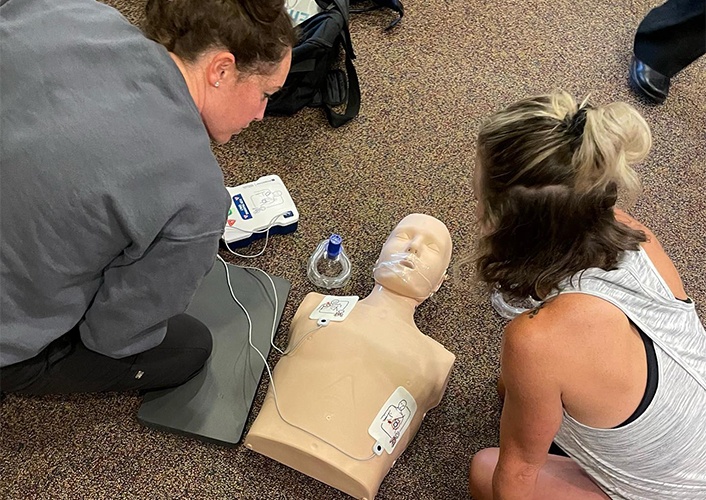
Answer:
(403, 307)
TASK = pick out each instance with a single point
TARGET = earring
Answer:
(217, 84)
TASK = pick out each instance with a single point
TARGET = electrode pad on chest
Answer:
(333, 308)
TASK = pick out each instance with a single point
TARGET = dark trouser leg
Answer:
(66, 366)
(672, 36)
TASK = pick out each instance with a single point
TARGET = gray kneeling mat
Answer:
(214, 405)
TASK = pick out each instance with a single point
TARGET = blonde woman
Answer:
(612, 365)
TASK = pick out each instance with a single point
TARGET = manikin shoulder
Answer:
(379, 328)
(307, 305)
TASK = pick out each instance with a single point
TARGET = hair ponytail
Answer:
(615, 137)
(548, 180)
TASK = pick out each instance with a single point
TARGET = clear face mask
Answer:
(410, 270)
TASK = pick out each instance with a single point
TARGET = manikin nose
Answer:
(413, 246)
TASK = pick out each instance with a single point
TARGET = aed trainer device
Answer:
(256, 207)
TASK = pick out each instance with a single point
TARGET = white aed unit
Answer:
(256, 207)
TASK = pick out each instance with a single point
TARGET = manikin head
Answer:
(414, 258)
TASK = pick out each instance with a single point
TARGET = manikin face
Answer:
(239, 97)
(414, 258)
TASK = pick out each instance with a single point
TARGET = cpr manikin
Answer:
(350, 395)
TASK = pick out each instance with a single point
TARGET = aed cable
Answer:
(284, 353)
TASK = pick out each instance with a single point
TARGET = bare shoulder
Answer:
(553, 333)
(652, 246)
(664, 265)
(528, 354)
(528, 340)
(631, 222)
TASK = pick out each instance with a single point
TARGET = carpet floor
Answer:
(426, 86)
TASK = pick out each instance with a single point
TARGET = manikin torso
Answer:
(337, 379)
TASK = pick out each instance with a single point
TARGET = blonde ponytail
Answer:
(615, 137)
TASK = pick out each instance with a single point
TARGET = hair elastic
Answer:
(577, 122)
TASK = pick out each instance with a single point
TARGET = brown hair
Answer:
(550, 170)
(257, 32)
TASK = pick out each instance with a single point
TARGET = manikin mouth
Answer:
(407, 263)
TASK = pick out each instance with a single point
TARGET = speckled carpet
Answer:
(425, 88)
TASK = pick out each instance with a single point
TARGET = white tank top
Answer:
(661, 455)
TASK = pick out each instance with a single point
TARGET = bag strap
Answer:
(343, 7)
(353, 104)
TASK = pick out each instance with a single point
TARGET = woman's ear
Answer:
(222, 67)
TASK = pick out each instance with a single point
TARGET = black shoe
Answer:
(650, 82)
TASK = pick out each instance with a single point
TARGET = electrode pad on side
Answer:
(392, 420)
(334, 308)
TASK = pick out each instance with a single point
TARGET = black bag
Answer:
(312, 81)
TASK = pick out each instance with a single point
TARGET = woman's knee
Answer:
(184, 351)
(187, 332)
(481, 473)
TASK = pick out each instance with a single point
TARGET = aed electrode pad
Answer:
(392, 420)
(333, 308)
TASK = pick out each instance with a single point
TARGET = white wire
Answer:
(264, 360)
(267, 236)
(306, 336)
(274, 293)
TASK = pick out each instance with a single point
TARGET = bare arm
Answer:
(532, 409)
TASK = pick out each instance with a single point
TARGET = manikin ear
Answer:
(221, 68)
